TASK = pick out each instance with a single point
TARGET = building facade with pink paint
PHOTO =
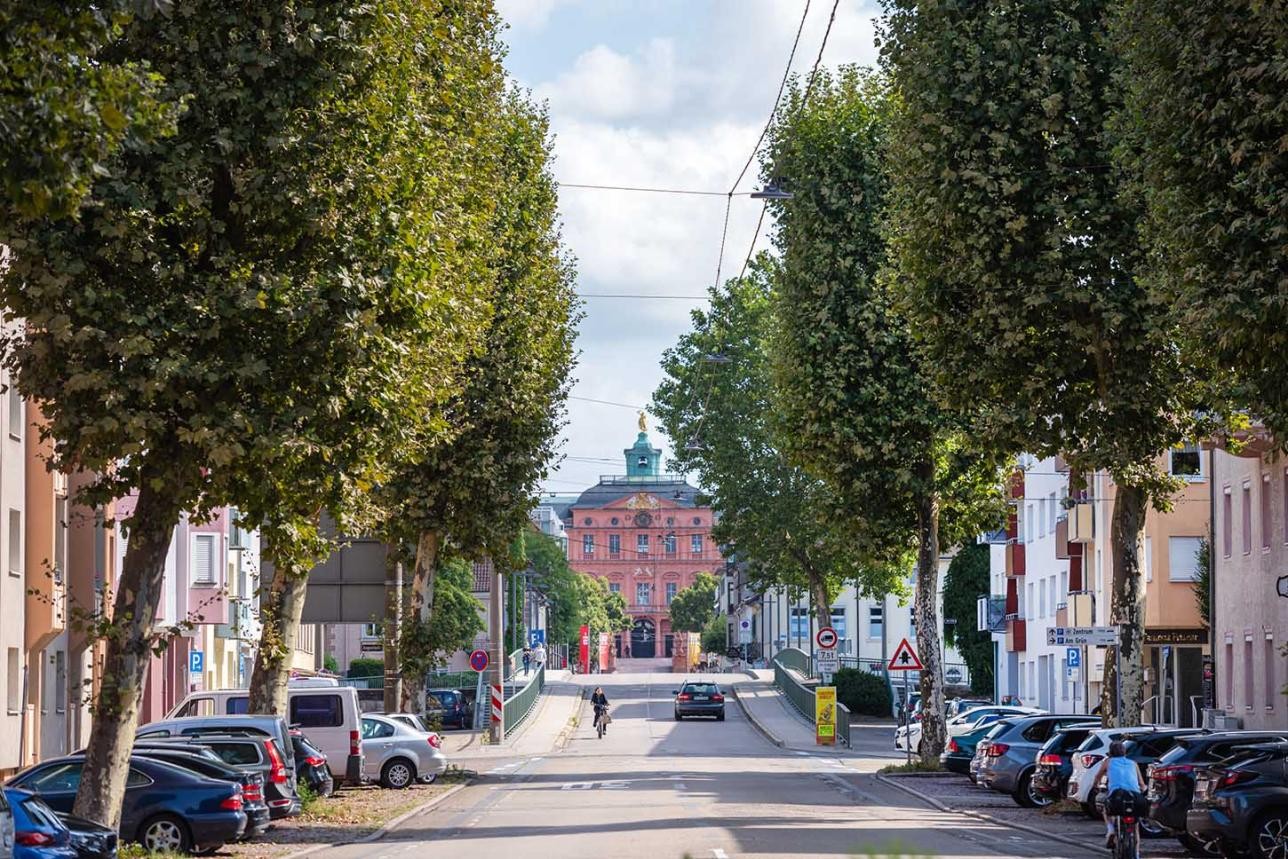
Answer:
(645, 533)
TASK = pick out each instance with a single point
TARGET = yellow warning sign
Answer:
(825, 715)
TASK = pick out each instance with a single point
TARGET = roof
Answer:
(671, 491)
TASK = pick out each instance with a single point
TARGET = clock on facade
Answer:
(643, 519)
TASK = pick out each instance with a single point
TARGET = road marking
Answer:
(717, 853)
(679, 785)
(578, 785)
(614, 785)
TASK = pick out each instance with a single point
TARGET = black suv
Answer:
(1055, 762)
(1171, 777)
(1242, 804)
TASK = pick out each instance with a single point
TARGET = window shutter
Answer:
(203, 558)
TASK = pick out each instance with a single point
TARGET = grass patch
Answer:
(917, 766)
(138, 851)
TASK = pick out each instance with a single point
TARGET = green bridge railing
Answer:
(521, 704)
(798, 689)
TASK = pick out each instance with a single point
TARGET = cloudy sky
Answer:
(657, 93)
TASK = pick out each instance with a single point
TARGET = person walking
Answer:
(527, 660)
(539, 655)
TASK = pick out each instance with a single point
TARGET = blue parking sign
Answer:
(196, 662)
(1073, 657)
(536, 636)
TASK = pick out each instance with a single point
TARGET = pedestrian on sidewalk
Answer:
(527, 660)
(539, 655)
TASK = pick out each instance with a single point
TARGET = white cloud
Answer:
(608, 85)
(528, 14)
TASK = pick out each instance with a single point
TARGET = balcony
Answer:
(1081, 523)
(239, 620)
(1016, 634)
(1015, 559)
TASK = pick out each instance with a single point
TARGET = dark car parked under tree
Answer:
(1243, 804)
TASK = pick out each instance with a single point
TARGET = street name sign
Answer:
(905, 658)
(1094, 636)
(825, 715)
(826, 637)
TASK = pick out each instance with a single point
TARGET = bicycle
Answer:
(600, 723)
(1126, 828)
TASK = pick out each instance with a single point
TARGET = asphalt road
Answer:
(657, 788)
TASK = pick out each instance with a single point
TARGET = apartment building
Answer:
(13, 581)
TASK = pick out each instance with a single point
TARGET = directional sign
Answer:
(1096, 636)
(904, 659)
(1073, 657)
(478, 660)
(826, 637)
(196, 662)
(828, 662)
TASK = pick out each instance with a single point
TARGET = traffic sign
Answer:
(826, 637)
(1095, 636)
(904, 659)
(1073, 657)
(536, 636)
(196, 662)
(478, 660)
(953, 674)
(827, 660)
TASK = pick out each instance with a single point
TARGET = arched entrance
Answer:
(643, 639)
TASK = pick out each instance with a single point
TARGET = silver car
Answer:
(397, 754)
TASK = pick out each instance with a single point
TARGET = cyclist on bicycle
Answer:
(600, 702)
(1123, 787)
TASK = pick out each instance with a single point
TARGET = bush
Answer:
(366, 667)
(863, 692)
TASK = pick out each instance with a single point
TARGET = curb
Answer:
(765, 732)
(384, 830)
(988, 818)
(565, 736)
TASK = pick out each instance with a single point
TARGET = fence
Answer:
(519, 705)
(798, 688)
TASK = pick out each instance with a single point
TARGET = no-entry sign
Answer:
(825, 637)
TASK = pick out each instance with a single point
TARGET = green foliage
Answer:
(575, 598)
(454, 624)
(715, 635)
(863, 692)
(364, 666)
(66, 106)
(1202, 586)
(967, 580)
(787, 527)
(1203, 128)
(694, 606)
(329, 663)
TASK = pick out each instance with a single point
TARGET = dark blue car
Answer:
(38, 833)
(165, 808)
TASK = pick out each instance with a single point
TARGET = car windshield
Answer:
(700, 688)
(41, 814)
(998, 729)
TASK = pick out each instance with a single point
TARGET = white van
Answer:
(327, 713)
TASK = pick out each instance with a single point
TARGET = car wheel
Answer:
(720, 716)
(429, 779)
(397, 774)
(1089, 809)
(1026, 794)
(1200, 846)
(678, 717)
(1269, 836)
(165, 833)
(1231, 851)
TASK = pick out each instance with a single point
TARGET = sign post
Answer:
(196, 668)
(825, 656)
(825, 715)
(905, 660)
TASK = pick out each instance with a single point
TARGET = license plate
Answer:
(1202, 787)
(699, 697)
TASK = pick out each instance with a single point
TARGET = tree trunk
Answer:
(1127, 540)
(419, 611)
(128, 654)
(926, 611)
(281, 608)
(393, 629)
(819, 594)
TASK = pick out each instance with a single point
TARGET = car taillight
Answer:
(314, 761)
(1089, 761)
(33, 839)
(277, 773)
(1170, 773)
(355, 743)
(683, 696)
(1233, 777)
(1049, 760)
(436, 741)
(916, 717)
(718, 698)
(232, 803)
(996, 750)
(953, 747)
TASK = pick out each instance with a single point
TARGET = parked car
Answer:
(450, 707)
(961, 749)
(957, 706)
(251, 752)
(411, 720)
(6, 828)
(326, 711)
(961, 723)
(38, 833)
(1171, 777)
(1011, 759)
(397, 755)
(1242, 805)
(91, 840)
(699, 698)
(165, 807)
(310, 765)
(1145, 745)
(203, 760)
(981, 749)
(1055, 761)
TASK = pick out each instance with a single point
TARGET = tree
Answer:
(553, 577)
(1202, 585)
(716, 407)
(66, 106)
(693, 607)
(268, 290)
(965, 582)
(456, 621)
(365, 667)
(1203, 132)
(858, 405)
(715, 635)
(1016, 253)
(473, 492)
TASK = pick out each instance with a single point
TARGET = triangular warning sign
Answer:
(905, 658)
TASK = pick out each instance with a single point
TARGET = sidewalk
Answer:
(538, 735)
(773, 716)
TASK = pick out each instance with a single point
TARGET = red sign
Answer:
(826, 637)
(605, 647)
(478, 660)
(905, 658)
(583, 655)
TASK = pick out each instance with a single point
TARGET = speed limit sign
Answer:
(825, 638)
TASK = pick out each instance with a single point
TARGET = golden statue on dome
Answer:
(643, 423)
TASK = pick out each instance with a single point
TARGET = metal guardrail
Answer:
(799, 691)
(519, 705)
(797, 660)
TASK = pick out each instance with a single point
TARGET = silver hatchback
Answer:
(397, 754)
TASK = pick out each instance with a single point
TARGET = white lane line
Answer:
(679, 785)
(717, 853)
